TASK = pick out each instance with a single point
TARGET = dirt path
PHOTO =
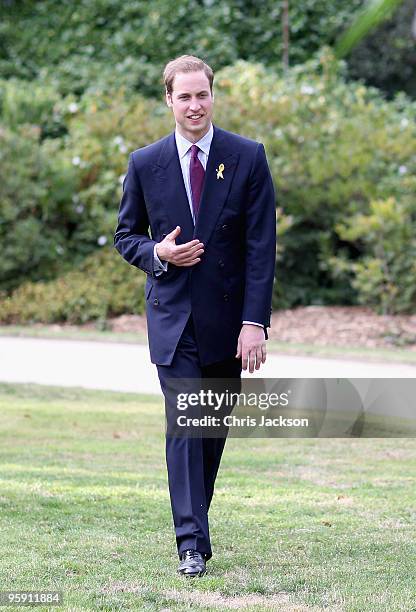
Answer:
(323, 326)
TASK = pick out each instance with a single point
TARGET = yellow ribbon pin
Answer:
(220, 171)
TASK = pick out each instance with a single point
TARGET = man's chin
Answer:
(196, 128)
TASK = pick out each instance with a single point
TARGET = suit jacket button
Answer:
(156, 302)
(221, 263)
(224, 227)
(225, 297)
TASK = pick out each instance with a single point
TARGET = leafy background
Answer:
(80, 88)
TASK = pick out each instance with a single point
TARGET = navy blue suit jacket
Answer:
(237, 225)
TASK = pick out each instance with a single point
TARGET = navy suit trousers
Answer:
(193, 462)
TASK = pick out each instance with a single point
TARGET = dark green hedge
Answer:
(103, 286)
(338, 152)
(97, 45)
(101, 44)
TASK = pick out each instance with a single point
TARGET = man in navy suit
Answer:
(207, 197)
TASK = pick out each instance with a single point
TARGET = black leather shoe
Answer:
(192, 564)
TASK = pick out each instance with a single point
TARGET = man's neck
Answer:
(193, 138)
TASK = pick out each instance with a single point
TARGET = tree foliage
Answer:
(334, 148)
(86, 45)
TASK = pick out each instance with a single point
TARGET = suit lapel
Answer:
(216, 189)
(172, 190)
(168, 173)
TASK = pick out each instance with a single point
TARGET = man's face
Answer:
(192, 104)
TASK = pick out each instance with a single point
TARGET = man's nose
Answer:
(195, 105)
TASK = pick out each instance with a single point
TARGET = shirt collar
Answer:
(183, 144)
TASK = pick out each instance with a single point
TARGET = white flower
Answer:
(76, 160)
(307, 89)
(121, 178)
(59, 249)
(102, 240)
(118, 140)
(404, 122)
(123, 148)
(402, 169)
(73, 107)
(79, 208)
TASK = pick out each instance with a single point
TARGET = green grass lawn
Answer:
(296, 524)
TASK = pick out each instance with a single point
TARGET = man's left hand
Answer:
(251, 347)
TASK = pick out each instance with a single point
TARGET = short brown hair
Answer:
(185, 63)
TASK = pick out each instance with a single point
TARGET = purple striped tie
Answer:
(197, 173)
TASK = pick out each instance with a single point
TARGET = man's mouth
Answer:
(195, 117)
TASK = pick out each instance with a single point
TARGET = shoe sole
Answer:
(189, 575)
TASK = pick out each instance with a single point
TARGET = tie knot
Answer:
(194, 151)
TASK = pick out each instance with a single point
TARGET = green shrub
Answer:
(59, 196)
(385, 276)
(333, 147)
(36, 186)
(34, 103)
(110, 44)
(103, 286)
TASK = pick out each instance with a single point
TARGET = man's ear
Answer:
(168, 97)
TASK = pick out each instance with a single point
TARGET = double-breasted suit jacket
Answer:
(236, 222)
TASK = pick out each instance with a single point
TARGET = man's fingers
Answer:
(191, 263)
(186, 257)
(259, 357)
(174, 233)
(184, 248)
(188, 247)
(244, 358)
(187, 261)
(251, 348)
(238, 354)
(252, 360)
(187, 254)
(192, 242)
(253, 357)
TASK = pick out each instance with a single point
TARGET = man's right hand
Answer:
(187, 254)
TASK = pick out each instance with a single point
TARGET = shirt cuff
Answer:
(253, 323)
(158, 266)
